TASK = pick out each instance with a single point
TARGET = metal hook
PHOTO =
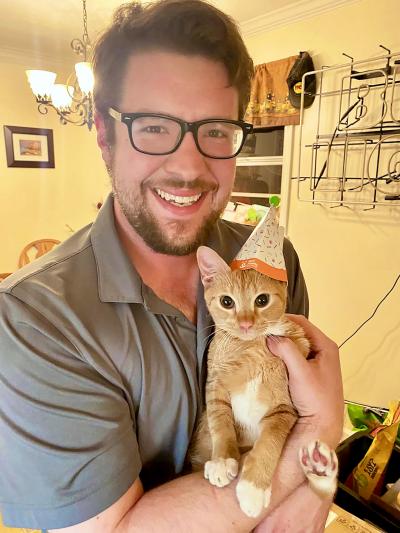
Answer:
(387, 49)
(340, 204)
(347, 55)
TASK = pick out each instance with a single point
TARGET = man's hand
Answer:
(316, 389)
(302, 512)
(316, 383)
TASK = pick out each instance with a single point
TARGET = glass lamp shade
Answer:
(61, 96)
(41, 82)
(84, 73)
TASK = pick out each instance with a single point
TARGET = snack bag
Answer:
(367, 418)
(368, 472)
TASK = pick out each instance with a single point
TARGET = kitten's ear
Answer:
(210, 264)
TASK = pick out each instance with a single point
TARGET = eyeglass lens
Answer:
(158, 135)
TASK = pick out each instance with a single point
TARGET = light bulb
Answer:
(61, 96)
(41, 82)
(84, 73)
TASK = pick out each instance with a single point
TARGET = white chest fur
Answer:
(248, 410)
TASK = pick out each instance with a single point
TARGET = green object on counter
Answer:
(362, 418)
(274, 201)
(256, 212)
(252, 214)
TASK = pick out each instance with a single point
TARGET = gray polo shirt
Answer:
(100, 380)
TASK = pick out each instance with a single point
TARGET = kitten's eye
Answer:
(227, 302)
(262, 300)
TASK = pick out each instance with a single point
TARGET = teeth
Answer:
(178, 200)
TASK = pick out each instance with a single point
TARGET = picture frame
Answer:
(29, 147)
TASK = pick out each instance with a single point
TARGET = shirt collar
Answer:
(118, 281)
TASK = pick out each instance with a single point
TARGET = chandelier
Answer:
(72, 101)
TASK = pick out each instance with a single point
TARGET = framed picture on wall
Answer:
(29, 147)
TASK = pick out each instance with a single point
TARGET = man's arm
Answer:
(303, 511)
(109, 520)
(190, 503)
(317, 392)
(187, 504)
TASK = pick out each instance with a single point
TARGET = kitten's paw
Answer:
(252, 499)
(320, 465)
(220, 472)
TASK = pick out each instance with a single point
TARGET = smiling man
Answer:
(103, 341)
(171, 185)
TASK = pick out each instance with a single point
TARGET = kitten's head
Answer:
(244, 303)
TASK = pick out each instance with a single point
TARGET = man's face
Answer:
(147, 186)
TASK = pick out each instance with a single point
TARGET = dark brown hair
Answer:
(189, 27)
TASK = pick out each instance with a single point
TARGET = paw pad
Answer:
(320, 465)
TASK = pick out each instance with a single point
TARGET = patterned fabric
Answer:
(263, 250)
(269, 100)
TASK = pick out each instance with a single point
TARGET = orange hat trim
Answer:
(255, 264)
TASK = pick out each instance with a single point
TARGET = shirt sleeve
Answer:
(67, 436)
(297, 299)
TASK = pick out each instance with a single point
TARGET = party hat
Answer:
(263, 250)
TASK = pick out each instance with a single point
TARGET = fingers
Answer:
(318, 340)
(327, 360)
(289, 353)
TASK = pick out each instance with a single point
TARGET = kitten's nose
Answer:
(245, 325)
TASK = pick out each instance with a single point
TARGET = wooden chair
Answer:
(35, 249)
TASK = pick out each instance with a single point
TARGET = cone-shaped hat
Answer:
(263, 250)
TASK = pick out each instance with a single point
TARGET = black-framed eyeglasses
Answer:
(155, 134)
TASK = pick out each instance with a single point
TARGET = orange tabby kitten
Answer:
(248, 405)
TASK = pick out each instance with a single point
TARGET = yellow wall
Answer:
(350, 258)
(38, 203)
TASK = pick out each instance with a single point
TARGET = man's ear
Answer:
(210, 264)
(102, 138)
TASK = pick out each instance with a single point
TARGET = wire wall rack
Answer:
(349, 139)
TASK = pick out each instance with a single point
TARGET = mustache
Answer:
(179, 183)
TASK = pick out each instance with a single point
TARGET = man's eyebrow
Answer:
(148, 110)
(159, 112)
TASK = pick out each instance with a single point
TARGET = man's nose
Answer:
(186, 159)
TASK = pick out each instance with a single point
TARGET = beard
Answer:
(176, 241)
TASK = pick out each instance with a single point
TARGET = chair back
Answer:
(35, 249)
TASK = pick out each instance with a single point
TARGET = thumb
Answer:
(289, 353)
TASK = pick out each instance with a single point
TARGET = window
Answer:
(262, 171)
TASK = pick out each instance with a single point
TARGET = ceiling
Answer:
(45, 28)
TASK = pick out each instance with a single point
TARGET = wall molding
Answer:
(284, 16)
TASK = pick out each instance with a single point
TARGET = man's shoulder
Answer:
(235, 229)
(62, 263)
(228, 237)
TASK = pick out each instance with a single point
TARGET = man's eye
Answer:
(216, 134)
(154, 129)
(262, 300)
(227, 302)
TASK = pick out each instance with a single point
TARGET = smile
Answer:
(181, 201)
